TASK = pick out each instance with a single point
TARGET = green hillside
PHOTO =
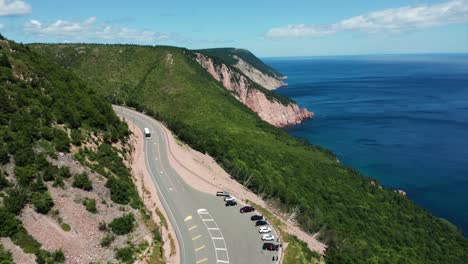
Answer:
(44, 110)
(361, 222)
(227, 56)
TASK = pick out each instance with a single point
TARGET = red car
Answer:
(270, 247)
(247, 209)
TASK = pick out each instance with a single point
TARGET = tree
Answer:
(42, 202)
(82, 181)
(123, 225)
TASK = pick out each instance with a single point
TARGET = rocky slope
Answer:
(66, 192)
(271, 110)
(267, 81)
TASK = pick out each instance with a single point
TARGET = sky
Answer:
(267, 28)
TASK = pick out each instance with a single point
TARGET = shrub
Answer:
(125, 255)
(5, 256)
(107, 240)
(42, 202)
(9, 225)
(119, 189)
(3, 181)
(123, 225)
(66, 227)
(64, 172)
(16, 200)
(102, 226)
(50, 172)
(90, 205)
(76, 137)
(82, 181)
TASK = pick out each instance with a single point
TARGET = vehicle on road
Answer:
(229, 198)
(222, 193)
(256, 217)
(268, 237)
(264, 229)
(247, 209)
(261, 223)
(270, 247)
(231, 203)
(147, 133)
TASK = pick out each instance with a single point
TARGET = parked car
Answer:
(229, 198)
(247, 209)
(268, 237)
(261, 223)
(270, 247)
(256, 217)
(222, 193)
(264, 229)
(231, 203)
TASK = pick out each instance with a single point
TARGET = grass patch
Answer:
(163, 219)
(66, 227)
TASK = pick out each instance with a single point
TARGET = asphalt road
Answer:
(207, 231)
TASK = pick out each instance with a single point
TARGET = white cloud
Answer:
(14, 8)
(90, 30)
(393, 20)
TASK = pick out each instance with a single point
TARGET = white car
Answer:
(264, 229)
(229, 198)
(268, 237)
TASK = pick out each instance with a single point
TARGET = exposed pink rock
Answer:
(401, 192)
(270, 110)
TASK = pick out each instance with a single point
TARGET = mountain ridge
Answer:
(357, 218)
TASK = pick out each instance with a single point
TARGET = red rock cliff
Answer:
(269, 109)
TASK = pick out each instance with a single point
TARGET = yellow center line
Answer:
(188, 218)
(190, 229)
(200, 248)
(201, 260)
(197, 237)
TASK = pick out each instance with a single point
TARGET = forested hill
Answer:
(359, 220)
(61, 175)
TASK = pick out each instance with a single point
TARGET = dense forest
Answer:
(46, 110)
(359, 220)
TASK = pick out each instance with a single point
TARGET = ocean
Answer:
(402, 119)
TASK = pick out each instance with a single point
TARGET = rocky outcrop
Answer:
(269, 109)
(264, 80)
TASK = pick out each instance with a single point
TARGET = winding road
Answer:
(207, 231)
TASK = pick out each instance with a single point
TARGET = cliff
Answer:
(245, 90)
(249, 65)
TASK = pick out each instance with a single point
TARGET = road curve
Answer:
(207, 231)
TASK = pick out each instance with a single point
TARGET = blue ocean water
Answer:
(402, 119)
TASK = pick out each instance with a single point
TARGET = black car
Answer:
(261, 223)
(247, 209)
(256, 217)
(270, 247)
(222, 193)
(231, 203)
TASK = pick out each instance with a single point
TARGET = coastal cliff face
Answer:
(265, 80)
(268, 109)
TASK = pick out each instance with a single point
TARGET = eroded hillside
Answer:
(66, 195)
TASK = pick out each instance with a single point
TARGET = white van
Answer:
(147, 133)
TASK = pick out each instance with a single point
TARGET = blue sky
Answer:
(267, 28)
